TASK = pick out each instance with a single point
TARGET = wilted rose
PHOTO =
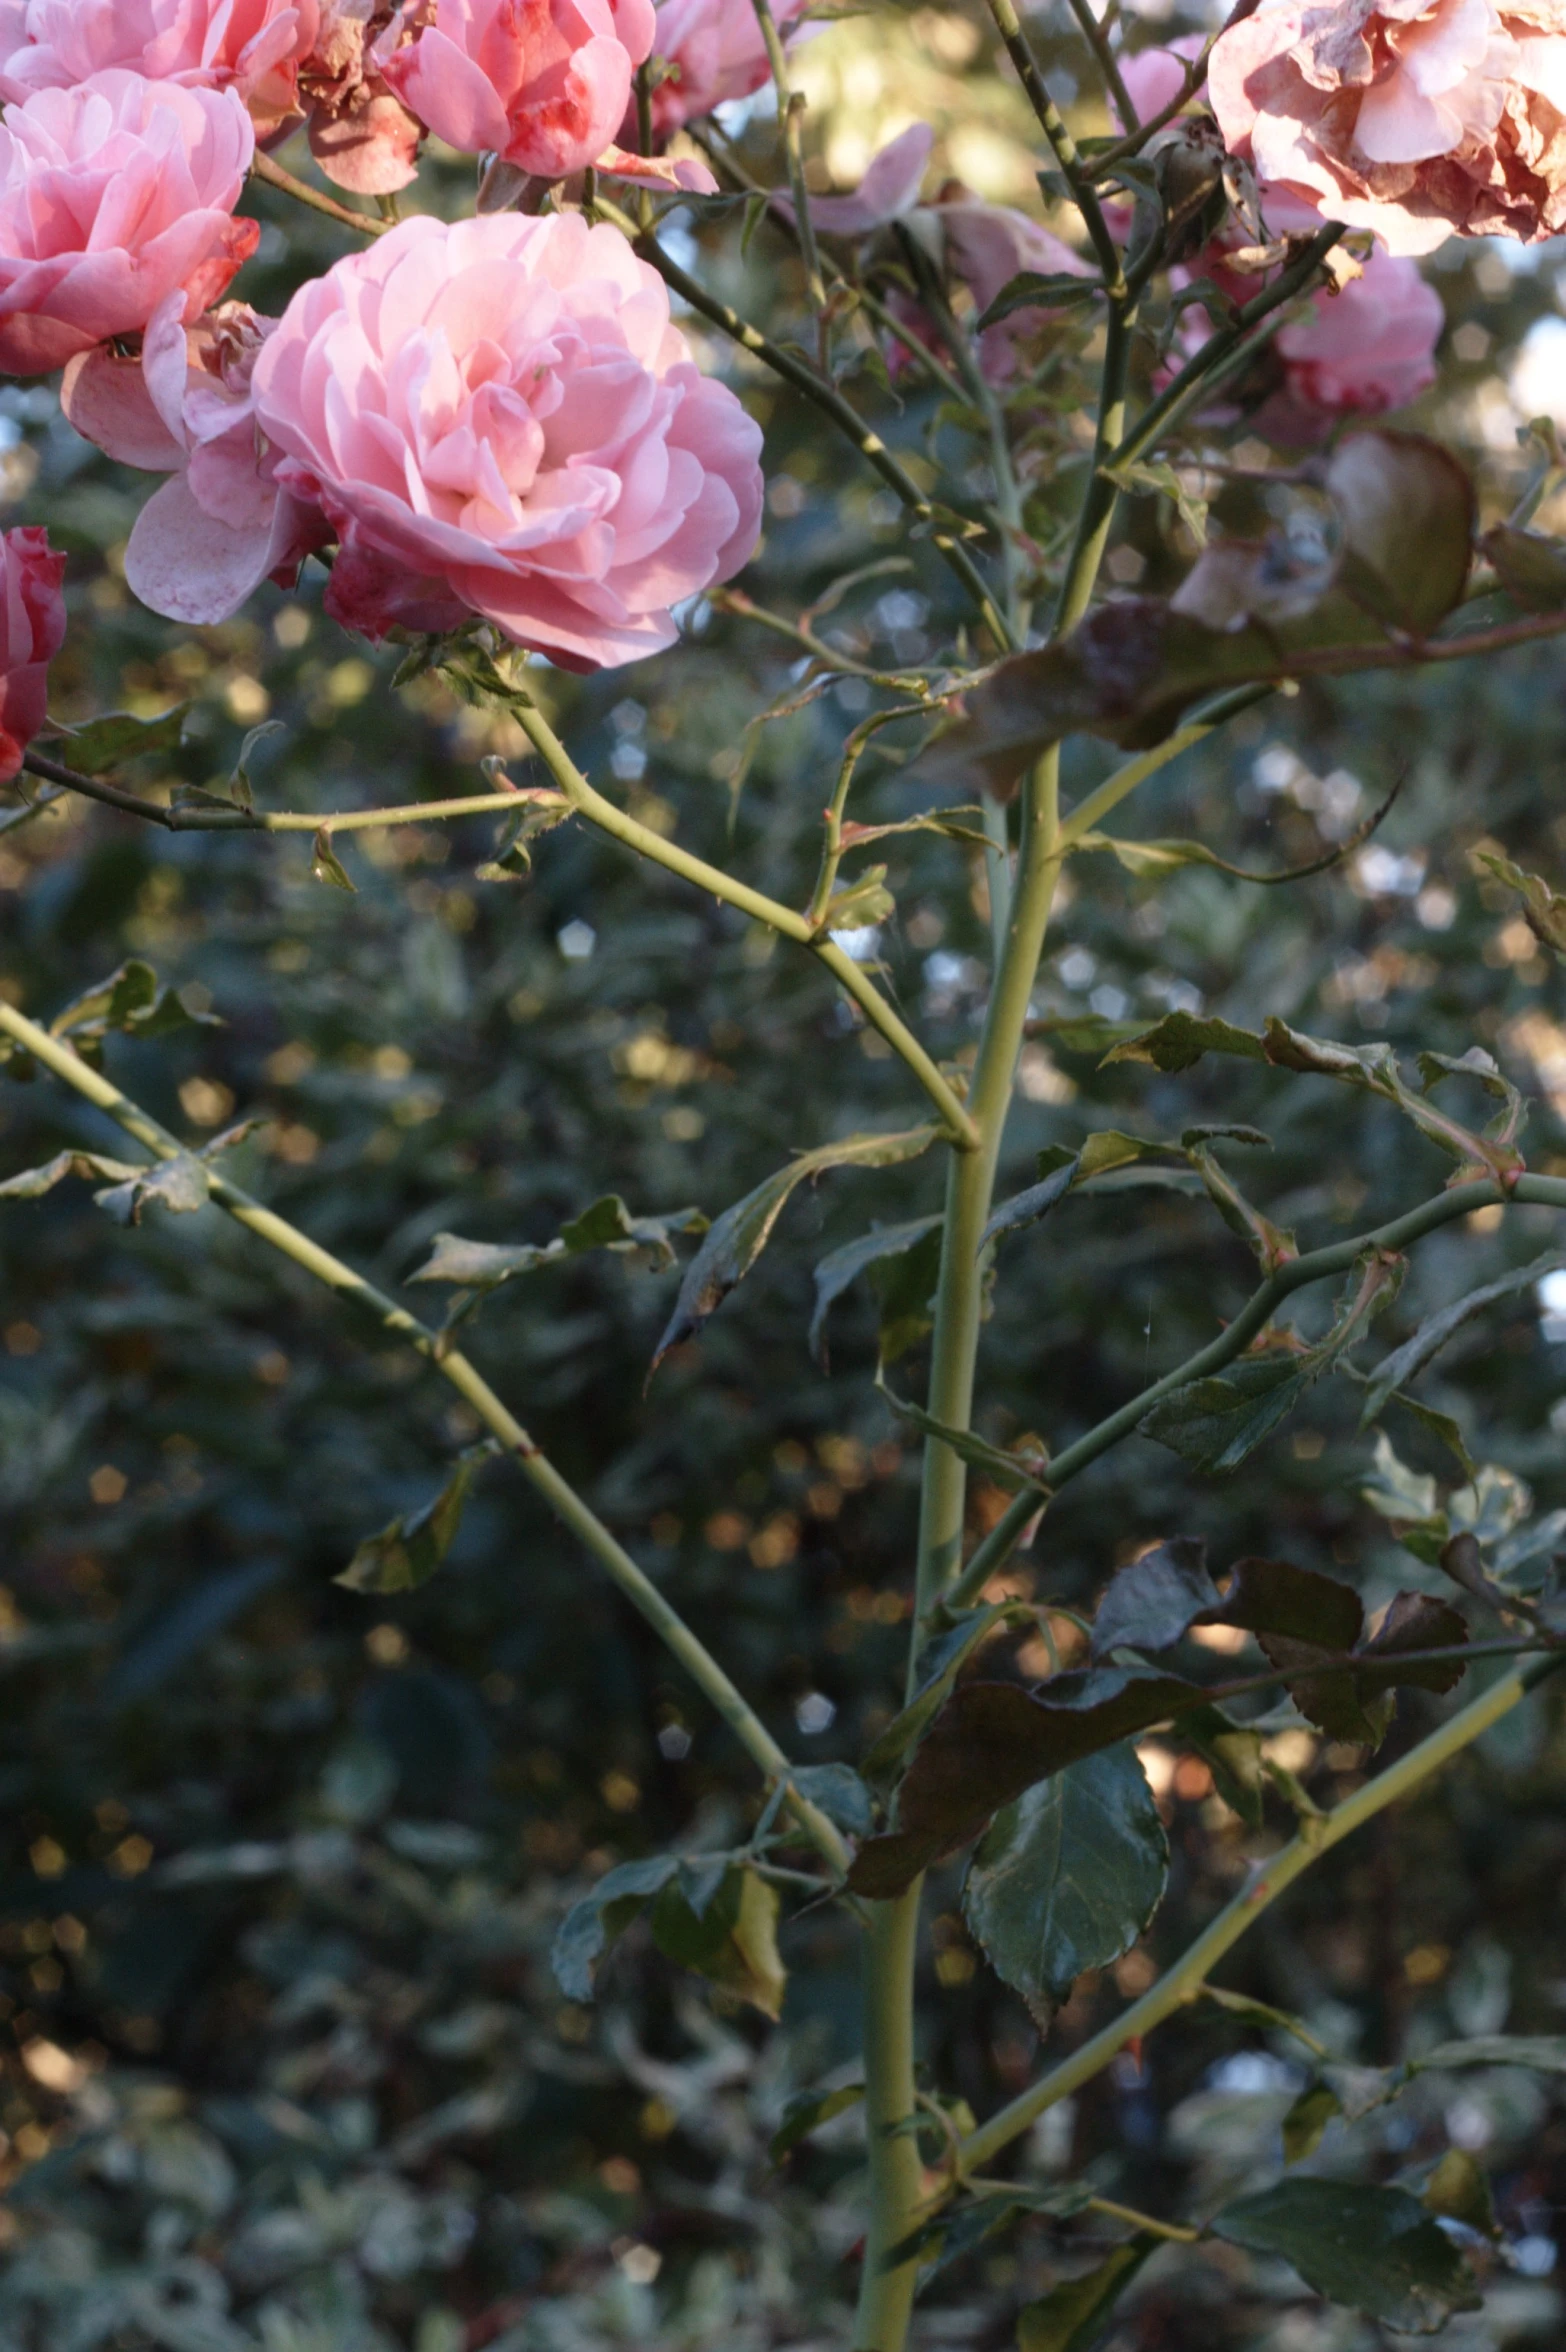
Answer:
(252, 46)
(31, 582)
(542, 84)
(498, 418)
(220, 525)
(361, 134)
(112, 195)
(1414, 118)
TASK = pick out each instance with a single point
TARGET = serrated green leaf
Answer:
(592, 1925)
(806, 2112)
(732, 1942)
(1179, 1040)
(1008, 1470)
(1405, 1363)
(1305, 2125)
(1073, 2316)
(837, 1791)
(407, 1553)
(1068, 1876)
(842, 1267)
(608, 1224)
(737, 1238)
(111, 741)
(1375, 2249)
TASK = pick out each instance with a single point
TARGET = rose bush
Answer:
(33, 606)
(113, 195)
(709, 52)
(498, 418)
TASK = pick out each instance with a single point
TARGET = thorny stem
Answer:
(1105, 161)
(1459, 1200)
(831, 403)
(470, 1383)
(1076, 173)
(1183, 1983)
(858, 984)
(791, 116)
(837, 807)
(1108, 63)
(264, 168)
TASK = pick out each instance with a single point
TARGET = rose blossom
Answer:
(716, 51)
(497, 417)
(112, 195)
(220, 525)
(32, 631)
(252, 46)
(542, 84)
(1414, 118)
(1366, 349)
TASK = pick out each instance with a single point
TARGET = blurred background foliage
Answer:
(283, 2062)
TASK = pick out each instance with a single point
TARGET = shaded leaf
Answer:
(608, 1224)
(842, 1267)
(33, 1183)
(1072, 2317)
(1009, 1470)
(1395, 1370)
(1026, 1208)
(806, 2112)
(737, 1238)
(1038, 290)
(1305, 2125)
(1213, 1424)
(239, 781)
(732, 1941)
(1233, 1754)
(179, 1185)
(1537, 2053)
(129, 1000)
(1544, 907)
(837, 1791)
(407, 1553)
(1458, 2191)
(1150, 1604)
(108, 742)
(1375, 2249)
(1068, 1876)
(326, 865)
(1262, 2015)
(1274, 1598)
(592, 1925)
(960, 2229)
(905, 1286)
(1179, 1041)
(939, 1664)
(1530, 566)
(1407, 507)
(993, 1740)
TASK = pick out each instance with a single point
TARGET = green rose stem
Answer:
(561, 1497)
(1317, 1836)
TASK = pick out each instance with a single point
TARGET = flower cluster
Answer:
(1414, 118)
(491, 418)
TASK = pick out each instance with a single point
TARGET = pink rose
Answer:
(715, 51)
(497, 417)
(1359, 352)
(252, 46)
(220, 525)
(32, 618)
(1414, 118)
(544, 84)
(1154, 78)
(112, 195)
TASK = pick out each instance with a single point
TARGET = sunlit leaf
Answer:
(732, 1941)
(109, 742)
